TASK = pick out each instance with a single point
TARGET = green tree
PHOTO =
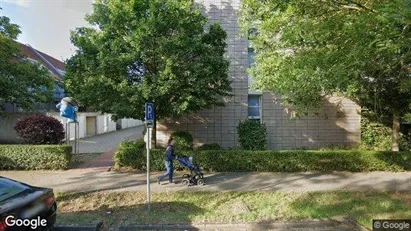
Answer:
(21, 82)
(140, 50)
(308, 50)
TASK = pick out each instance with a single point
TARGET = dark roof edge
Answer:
(55, 69)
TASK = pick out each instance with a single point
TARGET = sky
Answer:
(46, 24)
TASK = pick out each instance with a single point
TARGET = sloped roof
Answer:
(55, 66)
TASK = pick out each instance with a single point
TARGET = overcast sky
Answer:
(46, 24)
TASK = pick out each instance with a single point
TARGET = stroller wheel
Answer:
(185, 182)
(200, 182)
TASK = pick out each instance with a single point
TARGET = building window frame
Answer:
(260, 117)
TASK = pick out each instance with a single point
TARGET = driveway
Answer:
(108, 141)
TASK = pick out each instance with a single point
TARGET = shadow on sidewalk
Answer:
(265, 181)
(93, 181)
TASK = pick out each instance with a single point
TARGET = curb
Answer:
(339, 224)
(99, 227)
(75, 228)
(302, 225)
(355, 223)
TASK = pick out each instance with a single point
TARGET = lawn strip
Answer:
(123, 208)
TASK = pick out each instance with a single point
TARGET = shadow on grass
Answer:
(117, 216)
(362, 207)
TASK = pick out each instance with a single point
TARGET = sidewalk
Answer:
(96, 179)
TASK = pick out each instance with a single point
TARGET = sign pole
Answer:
(148, 170)
(150, 117)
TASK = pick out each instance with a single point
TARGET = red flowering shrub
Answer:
(40, 129)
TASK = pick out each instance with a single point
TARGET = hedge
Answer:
(35, 157)
(184, 140)
(286, 161)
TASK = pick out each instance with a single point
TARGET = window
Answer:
(254, 106)
(251, 55)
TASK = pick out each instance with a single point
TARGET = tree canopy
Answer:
(307, 50)
(139, 51)
(21, 82)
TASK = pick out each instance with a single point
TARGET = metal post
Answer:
(75, 137)
(67, 139)
(68, 133)
(78, 137)
(148, 169)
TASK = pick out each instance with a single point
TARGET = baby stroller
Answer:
(195, 176)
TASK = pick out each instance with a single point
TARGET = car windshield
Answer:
(9, 188)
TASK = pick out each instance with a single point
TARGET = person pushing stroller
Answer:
(195, 176)
(168, 161)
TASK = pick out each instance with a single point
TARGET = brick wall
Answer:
(338, 122)
(219, 125)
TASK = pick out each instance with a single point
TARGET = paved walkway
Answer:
(107, 144)
(89, 180)
(108, 141)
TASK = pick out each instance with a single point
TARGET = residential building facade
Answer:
(57, 71)
(338, 122)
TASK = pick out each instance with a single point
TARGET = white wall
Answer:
(100, 123)
(111, 125)
(104, 125)
(127, 123)
(82, 124)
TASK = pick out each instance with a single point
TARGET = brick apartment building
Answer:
(338, 122)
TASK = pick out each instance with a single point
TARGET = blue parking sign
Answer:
(150, 116)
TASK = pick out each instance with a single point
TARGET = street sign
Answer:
(150, 114)
(150, 117)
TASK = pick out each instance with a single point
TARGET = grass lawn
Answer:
(79, 159)
(122, 208)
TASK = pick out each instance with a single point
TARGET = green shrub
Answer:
(131, 154)
(288, 161)
(213, 146)
(184, 140)
(252, 135)
(35, 157)
(377, 136)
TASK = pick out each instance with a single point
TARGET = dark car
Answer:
(26, 207)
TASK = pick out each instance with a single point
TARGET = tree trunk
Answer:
(395, 132)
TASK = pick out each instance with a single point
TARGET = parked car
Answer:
(21, 203)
